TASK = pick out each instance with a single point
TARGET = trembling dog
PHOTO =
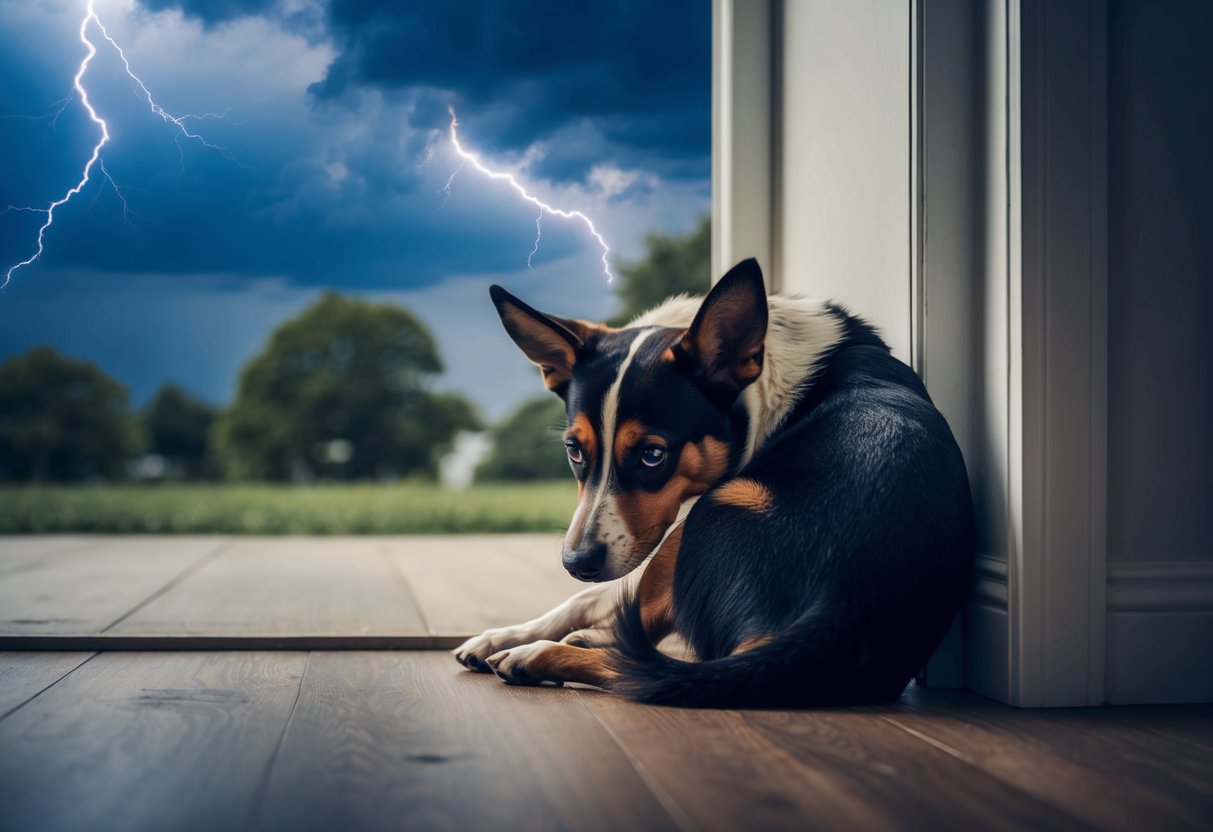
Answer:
(772, 512)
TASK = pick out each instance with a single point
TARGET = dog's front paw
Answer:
(474, 653)
(523, 665)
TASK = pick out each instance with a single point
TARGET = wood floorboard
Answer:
(821, 769)
(163, 741)
(1191, 724)
(25, 675)
(286, 586)
(1112, 774)
(836, 769)
(409, 740)
(388, 740)
(85, 590)
(467, 584)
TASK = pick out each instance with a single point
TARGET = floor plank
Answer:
(24, 675)
(162, 741)
(467, 584)
(286, 586)
(85, 590)
(828, 769)
(410, 740)
(1113, 775)
(1191, 724)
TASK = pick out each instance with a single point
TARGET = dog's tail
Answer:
(809, 663)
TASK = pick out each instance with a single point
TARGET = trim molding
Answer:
(1160, 587)
(1058, 353)
(990, 582)
(1160, 633)
(742, 135)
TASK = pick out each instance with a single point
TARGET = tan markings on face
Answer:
(630, 434)
(745, 494)
(752, 643)
(583, 432)
(647, 515)
(656, 591)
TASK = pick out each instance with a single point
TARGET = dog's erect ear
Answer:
(725, 342)
(547, 340)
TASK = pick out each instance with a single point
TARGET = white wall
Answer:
(841, 146)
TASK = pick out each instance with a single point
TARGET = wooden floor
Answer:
(407, 739)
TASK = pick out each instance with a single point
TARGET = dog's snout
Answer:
(585, 564)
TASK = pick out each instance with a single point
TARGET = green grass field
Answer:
(407, 508)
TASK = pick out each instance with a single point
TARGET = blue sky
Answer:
(335, 156)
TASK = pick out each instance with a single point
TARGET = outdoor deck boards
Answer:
(379, 739)
(460, 590)
(88, 587)
(416, 591)
(284, 586)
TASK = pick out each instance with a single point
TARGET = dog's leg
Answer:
(589, 608)
(549, 661)
(576, 660)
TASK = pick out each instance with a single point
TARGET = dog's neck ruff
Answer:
(800, 332)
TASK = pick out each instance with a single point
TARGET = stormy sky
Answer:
(328, 170)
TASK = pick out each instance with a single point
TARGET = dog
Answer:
(771, 510)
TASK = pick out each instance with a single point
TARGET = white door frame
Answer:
(1032, 415)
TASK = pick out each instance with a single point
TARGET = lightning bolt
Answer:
(168, 118)
(94, 160)
(77, 83)
(473, 159)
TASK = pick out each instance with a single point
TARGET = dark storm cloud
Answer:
(330, 188)
(212, 12)
(632, 71)
(635, 72)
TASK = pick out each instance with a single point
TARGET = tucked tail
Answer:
(812, 662)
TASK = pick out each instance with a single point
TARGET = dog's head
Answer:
(652, 415)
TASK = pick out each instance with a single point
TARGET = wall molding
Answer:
(990, 582)
(1175, 587)
(1160, 633)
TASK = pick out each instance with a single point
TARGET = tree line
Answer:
(343, 391)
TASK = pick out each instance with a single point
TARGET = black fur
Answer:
(857, 570)
(853, 572)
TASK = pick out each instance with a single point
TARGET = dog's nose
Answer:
(586, 564)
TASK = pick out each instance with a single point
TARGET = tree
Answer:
(62, 419)
(673, 264)
(341, 391)
(527, 444)
(178, 428)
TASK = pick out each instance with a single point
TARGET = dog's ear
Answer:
(725, 342)
(547, 340)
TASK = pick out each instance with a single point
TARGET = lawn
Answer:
(406, 508)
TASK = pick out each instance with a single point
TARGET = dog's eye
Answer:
(574, 450)
(653, 455)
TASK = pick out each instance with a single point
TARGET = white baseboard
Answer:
(1160, 633)
(987, 637)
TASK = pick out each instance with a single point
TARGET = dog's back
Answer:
(828, 569)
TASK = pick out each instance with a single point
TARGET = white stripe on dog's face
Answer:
(596, 514)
